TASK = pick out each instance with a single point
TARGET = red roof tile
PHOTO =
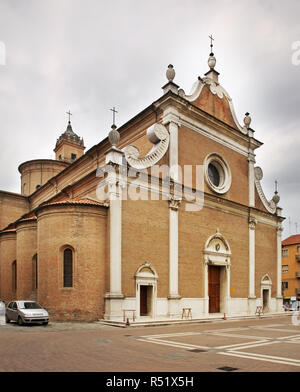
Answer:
(293, 239)
(29, 216)
(83, 201)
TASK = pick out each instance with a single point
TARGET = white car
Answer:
(26, 312)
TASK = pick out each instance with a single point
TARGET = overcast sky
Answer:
(91, 55)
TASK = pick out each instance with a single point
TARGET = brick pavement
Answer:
(255, 345)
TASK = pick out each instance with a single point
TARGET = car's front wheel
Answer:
(7, 320)
(20, 321)
(45, 323)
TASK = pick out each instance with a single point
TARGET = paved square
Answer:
(269, 344)
(273, 343)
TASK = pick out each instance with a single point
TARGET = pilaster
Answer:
(252, 225)
(114, 299)
(251, 185)
(279, 269)
(174, 297)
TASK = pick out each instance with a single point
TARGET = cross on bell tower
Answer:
(69, 146)
(69, 114)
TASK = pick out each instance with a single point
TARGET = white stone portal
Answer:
(146, 291)
(217, 253)
(265, 293)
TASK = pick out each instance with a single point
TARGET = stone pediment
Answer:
(208, 95)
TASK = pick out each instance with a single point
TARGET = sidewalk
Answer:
(145, 322)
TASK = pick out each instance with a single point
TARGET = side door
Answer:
(14, 312)
(9, 310)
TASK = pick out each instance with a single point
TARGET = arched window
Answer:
(14, 276)
(68, 268)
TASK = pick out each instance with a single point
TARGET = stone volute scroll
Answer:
(157, 135)
(269, 205)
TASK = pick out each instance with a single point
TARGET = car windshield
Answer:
(29, 305)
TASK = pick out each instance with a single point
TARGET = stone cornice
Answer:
(13, 195)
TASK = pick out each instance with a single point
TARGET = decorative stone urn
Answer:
(247, 120)
(114, 136)
(170, 73)
(211, 61)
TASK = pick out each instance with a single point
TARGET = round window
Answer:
(217, 173)
(214, 174)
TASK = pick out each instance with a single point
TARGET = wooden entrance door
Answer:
(143, 301)
(214, 289)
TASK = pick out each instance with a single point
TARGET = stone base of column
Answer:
(279, 304)
(206, 306)
(113, 307)
(251, 305)
(226, 307)
(174, 310)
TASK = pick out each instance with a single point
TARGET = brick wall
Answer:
(83, 229)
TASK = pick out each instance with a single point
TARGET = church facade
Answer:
(163, 219)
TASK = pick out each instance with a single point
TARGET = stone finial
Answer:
(276, 197)
(247, 120)
(211, 61)
(114, 136)
(170, 73)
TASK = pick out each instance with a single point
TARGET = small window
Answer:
(285, 269)
(285, 252)
(34, 272)
(68, 268)
(14, 276)
(298, 249)
(73, 157)
(285, 285)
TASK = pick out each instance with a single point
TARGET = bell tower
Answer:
(69, 146)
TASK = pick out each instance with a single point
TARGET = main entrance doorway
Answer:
(146, 300)
(214, 289)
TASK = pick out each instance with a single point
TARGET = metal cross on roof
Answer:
(211, 42)
(114, 114)
(70, 114)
